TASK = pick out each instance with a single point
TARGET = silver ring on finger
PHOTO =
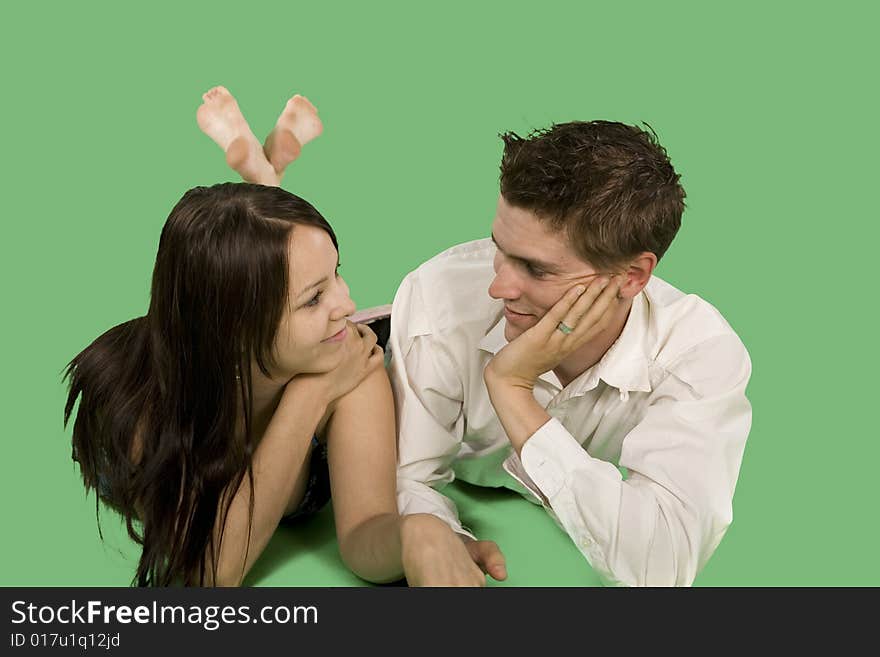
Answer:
(565, 328)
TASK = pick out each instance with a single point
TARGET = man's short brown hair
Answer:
(609, 186)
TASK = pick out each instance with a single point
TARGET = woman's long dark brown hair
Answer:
(218, 292)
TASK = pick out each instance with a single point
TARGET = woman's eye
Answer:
(315, 299)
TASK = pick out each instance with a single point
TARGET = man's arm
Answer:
(428, 396)
(659, 526)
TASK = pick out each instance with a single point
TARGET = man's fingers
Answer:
(573, 305)
(487, 555)
(592, 304)
(562, 307)
(600, 314)
(498, 571)
(493, 561)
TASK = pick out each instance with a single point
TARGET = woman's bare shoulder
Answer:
(370, 396)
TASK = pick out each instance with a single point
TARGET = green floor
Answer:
(766, 109)
(538, 553)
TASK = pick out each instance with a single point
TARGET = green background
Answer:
(766, 109)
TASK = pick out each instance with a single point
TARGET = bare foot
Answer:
(220, 118)
(296, 127)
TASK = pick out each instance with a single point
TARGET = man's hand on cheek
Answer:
(580, 315)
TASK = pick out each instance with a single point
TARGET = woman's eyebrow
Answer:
(310, 287)
(316, 283)
(537, 264)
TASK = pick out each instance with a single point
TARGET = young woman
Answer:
(244, 396)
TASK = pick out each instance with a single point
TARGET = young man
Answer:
(548, 357)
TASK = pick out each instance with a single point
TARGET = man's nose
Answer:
(505, 285)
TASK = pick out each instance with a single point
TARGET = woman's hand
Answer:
(361, 357)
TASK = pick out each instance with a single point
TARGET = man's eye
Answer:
(315, 299)
(534, 272)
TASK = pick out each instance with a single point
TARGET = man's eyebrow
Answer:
(537, 264)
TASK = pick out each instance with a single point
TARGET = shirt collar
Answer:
(624, 366)
(494, 340)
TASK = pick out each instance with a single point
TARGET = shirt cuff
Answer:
(420, 498)
(552, 457)
(551, 454)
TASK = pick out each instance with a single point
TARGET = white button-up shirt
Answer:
(640, 458)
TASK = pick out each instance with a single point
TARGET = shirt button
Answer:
(586, 542)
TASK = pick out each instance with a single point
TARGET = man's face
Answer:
(534, 267)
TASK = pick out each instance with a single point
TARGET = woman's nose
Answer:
(345, 306)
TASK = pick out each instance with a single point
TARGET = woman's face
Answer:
(311, 335)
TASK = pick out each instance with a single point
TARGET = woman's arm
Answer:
(278, 467)
(363, 471)
(280, 458)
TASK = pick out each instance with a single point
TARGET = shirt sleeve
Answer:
(659, 526)
(428, 399)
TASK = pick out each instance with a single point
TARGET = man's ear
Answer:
(637, 274)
